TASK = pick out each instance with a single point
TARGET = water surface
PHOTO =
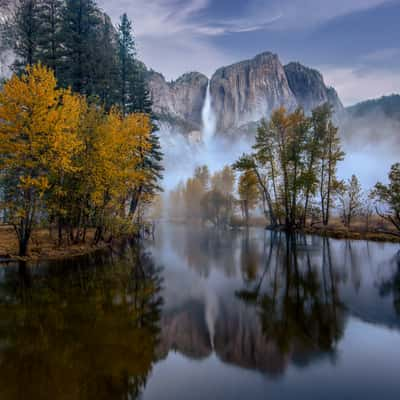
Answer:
(204, 314)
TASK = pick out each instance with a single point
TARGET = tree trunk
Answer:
(23, 246)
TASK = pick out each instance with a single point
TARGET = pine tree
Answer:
(106, 63)
(81, 22)
(134, 97)
(126, 63)
(50, 33)
(25, 33)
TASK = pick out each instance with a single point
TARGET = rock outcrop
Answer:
(180, 101)
(242, 94)
(247, 91)
(308, 87)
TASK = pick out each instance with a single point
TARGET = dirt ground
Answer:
(43, 245)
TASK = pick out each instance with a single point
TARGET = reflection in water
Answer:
(227, 315)
(79, 331)
(391, 287)
(266, 300)
(299, 309)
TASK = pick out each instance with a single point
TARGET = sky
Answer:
(354, 43)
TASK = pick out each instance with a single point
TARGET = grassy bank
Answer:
(336, 231)
(377, 230)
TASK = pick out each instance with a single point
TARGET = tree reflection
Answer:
(79, 331)
(298, 304)
(392, 285)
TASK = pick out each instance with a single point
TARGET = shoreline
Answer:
(44, 248)
(345, 234)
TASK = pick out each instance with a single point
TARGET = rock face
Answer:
(182, 99)
(242, 94)
(309, 88)
(247, 91)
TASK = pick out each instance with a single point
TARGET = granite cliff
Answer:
(242, 93)
(246, 91)
(180, 101)
(308, 87)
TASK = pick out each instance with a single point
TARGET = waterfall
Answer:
(208, 118)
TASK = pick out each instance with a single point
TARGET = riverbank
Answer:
(352, 234)
(44, 246)
(377, 230)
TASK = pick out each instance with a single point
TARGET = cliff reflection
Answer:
(96, 327)
(265, 300)
(82, 330)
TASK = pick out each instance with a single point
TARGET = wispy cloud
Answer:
(306, 13)
(169, 37)
(176, 36)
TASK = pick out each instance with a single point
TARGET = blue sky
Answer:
(354, 43)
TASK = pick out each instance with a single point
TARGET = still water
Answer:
(200, 314)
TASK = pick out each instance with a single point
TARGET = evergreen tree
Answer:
(126, 63)
(81, 23)
(142, 103)
(106, 63)
(134, 97)
(25, 34)
(50, 33)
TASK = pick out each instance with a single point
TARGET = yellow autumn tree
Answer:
(38, 140)
(116, 170)
(248, 193)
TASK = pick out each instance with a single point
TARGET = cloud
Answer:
(301, 14)
(168, 37)
(177, 36)
(236, 26)
(358, 84)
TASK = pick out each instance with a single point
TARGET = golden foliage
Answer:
(39, 129)
(74, 160)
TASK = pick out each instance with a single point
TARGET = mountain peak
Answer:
(243, 92)
(308, 85)
(262, 58)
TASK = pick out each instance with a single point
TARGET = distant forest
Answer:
(389, 106)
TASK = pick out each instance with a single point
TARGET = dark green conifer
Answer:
(25, 34)
(50, 33)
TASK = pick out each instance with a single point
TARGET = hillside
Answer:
(388, 106)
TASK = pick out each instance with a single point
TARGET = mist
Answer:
(372, 146)
(207, 147)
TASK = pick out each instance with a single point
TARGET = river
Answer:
(203, 314)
